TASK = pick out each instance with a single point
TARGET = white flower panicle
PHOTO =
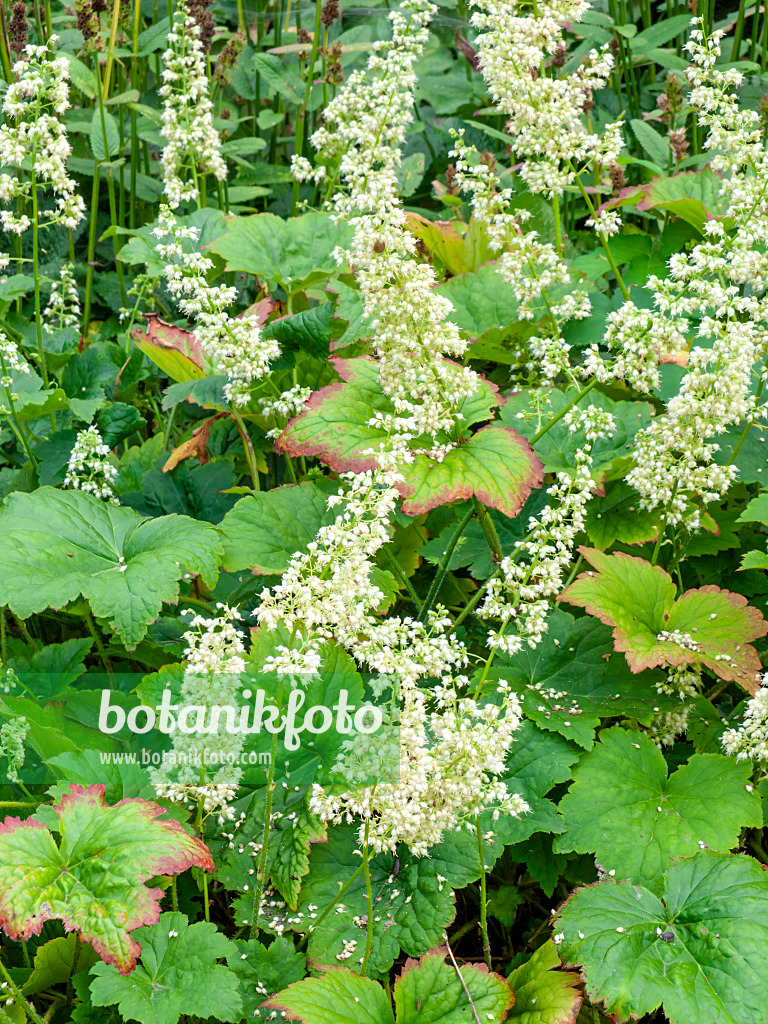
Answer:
(192, 144)
(11, 358)
(63, 308)
(720, 286)
(531, 267)
(546, 121)
(527, 579)
(203, 766)
(89, 468)
(235, 345)
(750, 739)
(34, 139)
(683, 681)
(327, 595)
(410, 333)
(449, 758)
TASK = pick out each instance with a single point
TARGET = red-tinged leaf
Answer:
(93, 882)
(711, 626)
(340, 996)
(429, 991)
(693, 196)
(495, 463)
(176, 351)
(543, 993)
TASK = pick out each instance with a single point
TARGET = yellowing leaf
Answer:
(652, 627)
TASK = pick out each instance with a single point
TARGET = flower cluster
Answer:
(449, 758)
(720, 287)
(63, 308)
(327, 594)
(684, 682)
(192, 144)
(12, 736)
(527, 579)
(89, 468)
(34, 141)
(750, 740)
(234, 345)
(202, 766)
(534, 269)
(362, 134)
(546, 113)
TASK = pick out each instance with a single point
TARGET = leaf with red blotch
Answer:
(176, 351)
(93, 882)
(652, 627)
(495, 463)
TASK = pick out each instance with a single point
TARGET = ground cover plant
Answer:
(383, 537)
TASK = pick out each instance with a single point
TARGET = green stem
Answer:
(91, 247)
(566, 408)
(91, 624)
(369, 900)
(24, 631)
(343, 890)
(489, 530)
(603, 240)
(434, 590)
(745, 432)
(250, 454)
(394, 565)
(262, 869)
(483, 897)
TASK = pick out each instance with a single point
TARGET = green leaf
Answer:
(55, 963)
(694, 196)
(263, 530)
(308, 331)
(573, 680)
(154, 38)
(188, 490)
(482, 302)
(118, 421)
(617, 517)
(94, 881)
(544, 994)
(429, 991)
(58, 545)
(277, 75)
(53, 668)
(661, 33)
(495, 463)
(295, 253)
(178, 974)
(624, 809)
(654, 144)
(81, 76)
(538, 760)
(87, 767)
(101, 131)
(756, 511)
(638, 600)
(32, 400)
(264, 970)
(697, 951)
(175, 351)
(339, 996)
